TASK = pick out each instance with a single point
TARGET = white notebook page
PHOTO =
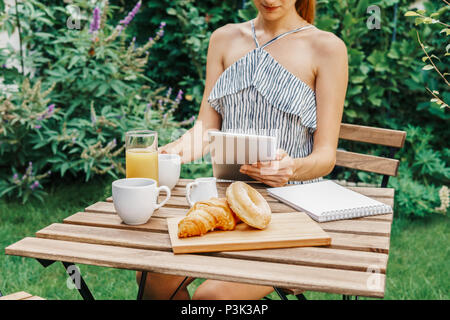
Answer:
(324, 196)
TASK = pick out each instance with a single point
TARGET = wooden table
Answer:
(354, 264)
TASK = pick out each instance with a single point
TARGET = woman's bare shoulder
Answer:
(229, 33)
(326, 44)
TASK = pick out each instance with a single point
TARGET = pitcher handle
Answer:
(188, 192)
(168, 194)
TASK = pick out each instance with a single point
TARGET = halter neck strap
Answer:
(277, 37)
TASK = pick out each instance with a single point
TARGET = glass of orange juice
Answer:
(141, 154)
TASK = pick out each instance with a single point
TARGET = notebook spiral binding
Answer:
(357, 212)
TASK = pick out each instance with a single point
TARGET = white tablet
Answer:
(231, 150)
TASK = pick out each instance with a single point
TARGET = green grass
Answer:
(417, 269)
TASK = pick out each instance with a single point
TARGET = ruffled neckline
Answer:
(268, 55)
(281, 88)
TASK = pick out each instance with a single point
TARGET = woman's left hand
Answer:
(275, 173)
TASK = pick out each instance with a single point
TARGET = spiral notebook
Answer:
(327, 200)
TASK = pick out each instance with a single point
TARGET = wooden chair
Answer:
(386, 166)
(22, 295)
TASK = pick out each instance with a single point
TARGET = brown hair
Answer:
(306, 9)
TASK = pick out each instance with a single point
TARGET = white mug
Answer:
(135, 199)
(168, 169)
(201, 189)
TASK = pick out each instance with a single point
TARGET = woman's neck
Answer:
(278, 26)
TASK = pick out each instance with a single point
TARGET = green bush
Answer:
(438, 17)
(91, 89)
(386, 89)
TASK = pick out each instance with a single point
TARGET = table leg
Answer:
(81, 286)
(142, 285)
(300, 296)
(45, 263)
(178, 288)
(280, 293)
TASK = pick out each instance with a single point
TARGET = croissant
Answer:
(204, 216)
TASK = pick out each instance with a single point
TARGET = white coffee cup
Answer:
(201, 189)
(168, 169)
(135, 199)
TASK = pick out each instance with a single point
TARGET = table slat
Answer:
(180, 190)
(203, 266)
(175, 206)
(368, 191)
(360, 242)
(17, 296)
(163, 212)
(355, 226)
(114, 221)
(311, 256)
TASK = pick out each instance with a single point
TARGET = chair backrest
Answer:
(394, 139)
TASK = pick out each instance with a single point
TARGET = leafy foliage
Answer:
(433, 62)
(89, 89)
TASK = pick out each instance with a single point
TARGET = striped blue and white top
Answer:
(257, 95)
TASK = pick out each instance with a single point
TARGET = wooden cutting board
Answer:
(294, 229)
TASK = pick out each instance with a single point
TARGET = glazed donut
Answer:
(248, 204)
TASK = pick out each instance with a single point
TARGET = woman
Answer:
(275, 73)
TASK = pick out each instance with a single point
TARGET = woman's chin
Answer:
(270, 16)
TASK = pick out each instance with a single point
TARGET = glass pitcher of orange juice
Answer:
(141, 154)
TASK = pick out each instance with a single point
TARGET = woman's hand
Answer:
(172, 148)
(274, 173)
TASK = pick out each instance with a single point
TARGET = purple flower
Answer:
(160, 32)
(47, 114)
(95, 24)
(131, 14)
(149, 105)
(169, 92)
(179, 97)
(3, 65)
(15, 176)
(34, 185)
(51, 108)
(50, 111)
(188, 121)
